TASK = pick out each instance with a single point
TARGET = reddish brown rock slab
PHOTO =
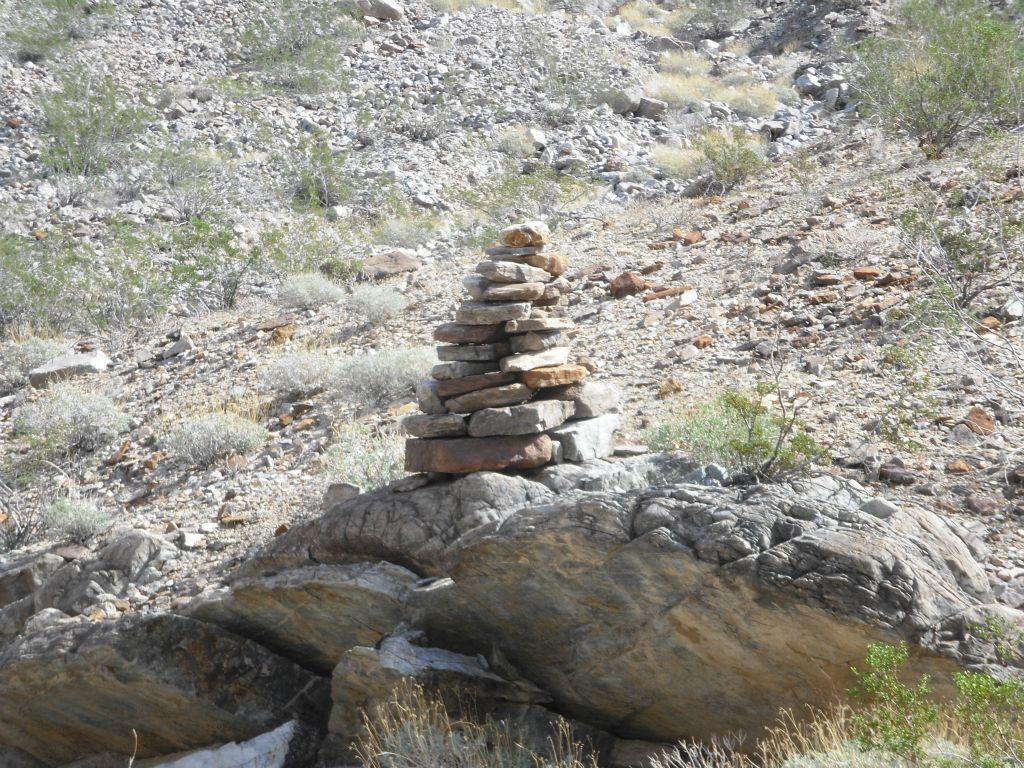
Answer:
(493, 397)
(457, 333)
(555, 376)
(477, 454)
(454, 387)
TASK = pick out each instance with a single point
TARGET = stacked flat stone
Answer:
(505, 394)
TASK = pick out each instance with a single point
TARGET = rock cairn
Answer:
(504, 394)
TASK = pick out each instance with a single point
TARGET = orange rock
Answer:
(236, 462)
(303, 425)
(675, 290)
(154, 459)
(866, 273)
(554, 376)
(669, 387)
(462, 455)
(553, 263)
(989, 323)
(283, 334)
(285, 420)
(692, 237)
(958, 467)
(979, 421)
(703, 341)
(119, 455)
(626, 284)
(281, 529)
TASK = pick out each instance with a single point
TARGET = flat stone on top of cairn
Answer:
(505, 394)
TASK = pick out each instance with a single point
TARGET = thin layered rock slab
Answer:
(554, 376)
(458, 333)
(527, 361)
(483, 313)
(454, 387)
(429, 425)
(494, 397)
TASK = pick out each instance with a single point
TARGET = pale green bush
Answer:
(300, 374)
(202, 440)
(17, 358)
(66, 421)
(77, 519)
(377, 378)
(365, 457)
(376, 303)
(308, 291)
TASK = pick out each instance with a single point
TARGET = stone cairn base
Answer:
(505, 395)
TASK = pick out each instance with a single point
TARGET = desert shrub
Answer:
(77, 519)
(87, 127)
(298, 45)
(197, 181)
(60, 283)
(309, 290)
(320, 180)
(40, 27)
(677, 163)
(375, 304)
(948, 69)
(731, 158)
(17, 358)
(202, 440)
(894, 717)
(738, 431)
(365, 457)
(513, 195)
(414, 729)
(377, 378)
(66, 421)
(515, 141)
(299, 374)
(309, 246)
(210, 262)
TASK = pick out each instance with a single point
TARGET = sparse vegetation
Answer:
(40, 27)
(377, 378)
(740, 432)
(88, 126)
(300, 374)
(17, 358)
(76, 519)
(66, 421)
(949, 69)
(376, 304)
(678, 162)
(201, 440)
(309, 290)
(731, 158)
(320, 178)
(415, 729)
(366, 457)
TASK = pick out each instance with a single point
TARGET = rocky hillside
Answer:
(227, 234)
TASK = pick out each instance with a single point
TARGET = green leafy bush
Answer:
(731, 157)
(202, 440)
(948, 69)
(738, 431)
(895, 717)
(210, 262)
(87, 126)
(320, 180)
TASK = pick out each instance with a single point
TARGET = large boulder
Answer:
(694, 611)
(81, 688)
(413, 524)
(661, 610)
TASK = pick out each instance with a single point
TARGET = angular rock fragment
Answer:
(69, 366)
(527, 361)
(456, 333)
(510, 272)
(453, 387)
(482, 313)
(530, 233)
(588, 438)
(472, 352)
(556, 376)
(526, 419)
(457, 370)
(492, 397)
(538, 324)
